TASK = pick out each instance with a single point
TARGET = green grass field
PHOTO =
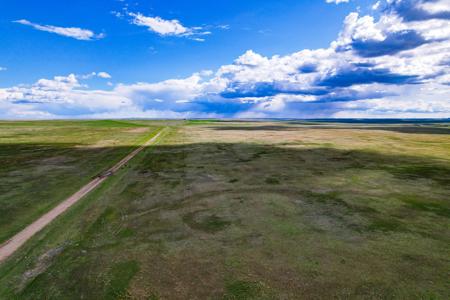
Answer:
(229, 210)
(45, 162)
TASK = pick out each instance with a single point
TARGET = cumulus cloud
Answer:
(168, 27)
(61, 96)
(429, 100)
(104, 75)
(391, 66)
(72, 32)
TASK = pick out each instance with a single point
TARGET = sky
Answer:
(224, 59)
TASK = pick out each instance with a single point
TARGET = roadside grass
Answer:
(254, 214)
(43, 163)
(96, 213)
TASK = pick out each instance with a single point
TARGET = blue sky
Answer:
(199, 58)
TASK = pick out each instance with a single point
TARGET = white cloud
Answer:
(376, 6)
(436, 6)
(337, 1)
(72, 32)
(377, 67)
(171, 93)
(168, 27)
(361, 28)
(63, 83)
(3, 69)
(104, 75)
(159, 25)
(224, 27)
(420, 101)
(62, 96)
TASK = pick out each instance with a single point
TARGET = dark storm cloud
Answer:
(410, 10)
(351, 77)
(394, 43)
(267, 89)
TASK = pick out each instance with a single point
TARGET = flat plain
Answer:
(229, 210)
(44, 162)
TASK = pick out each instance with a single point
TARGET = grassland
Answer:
(44, 162)
(245, 210)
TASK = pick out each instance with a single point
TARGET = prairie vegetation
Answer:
(233, 210)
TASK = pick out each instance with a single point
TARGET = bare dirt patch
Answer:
(138, 130)
(42, 264)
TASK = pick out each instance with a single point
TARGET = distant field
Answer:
(230, 210)
(44, 162)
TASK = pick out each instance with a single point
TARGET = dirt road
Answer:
(10, 246)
